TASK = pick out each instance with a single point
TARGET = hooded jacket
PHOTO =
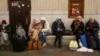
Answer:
(34, 25)
(46, 25)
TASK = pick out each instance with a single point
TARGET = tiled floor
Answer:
(48, 51)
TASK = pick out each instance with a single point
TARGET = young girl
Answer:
(20, 31)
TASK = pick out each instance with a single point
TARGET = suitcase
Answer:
(34, 45)
(19, 43)
(92, 43)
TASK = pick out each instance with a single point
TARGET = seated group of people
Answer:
(90, 29)
(43, 28)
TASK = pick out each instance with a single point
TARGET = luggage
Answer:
(73, 45)
(19, 43)
(34, 45)
(83, 40)
(92, 43)
(67, 32)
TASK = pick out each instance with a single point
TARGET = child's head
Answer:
(18, 26)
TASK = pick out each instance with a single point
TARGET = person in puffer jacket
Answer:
(45, 31)
(92, 28)
(35, 25)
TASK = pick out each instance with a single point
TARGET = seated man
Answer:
(46, 30)
(58, 29)
(92, 28)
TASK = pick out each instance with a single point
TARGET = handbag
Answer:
(73, 45)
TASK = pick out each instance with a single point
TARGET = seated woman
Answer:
(45, 31)
(5, 31)
(92, 28)
(35, 26)
(77, 28)
(6, 27)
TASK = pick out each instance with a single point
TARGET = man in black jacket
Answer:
(58, 29)
(92, 28)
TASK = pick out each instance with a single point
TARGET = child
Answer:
(20, 31)
(19, 39)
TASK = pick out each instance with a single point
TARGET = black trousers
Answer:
(77, 34)
(58, 38)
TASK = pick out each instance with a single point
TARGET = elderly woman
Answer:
(77, 27)
(92, 28)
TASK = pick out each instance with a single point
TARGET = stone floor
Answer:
(47, 51)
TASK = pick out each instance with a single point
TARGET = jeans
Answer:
(43, 36)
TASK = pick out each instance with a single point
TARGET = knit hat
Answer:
(4, 22)
(36, 21)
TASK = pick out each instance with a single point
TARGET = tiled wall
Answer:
(53, 9)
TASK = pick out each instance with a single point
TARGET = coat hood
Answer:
(43, 18)
(36, 21)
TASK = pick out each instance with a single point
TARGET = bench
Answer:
(65, 39)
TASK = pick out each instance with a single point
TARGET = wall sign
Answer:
(75, 8)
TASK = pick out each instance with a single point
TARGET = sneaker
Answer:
(82, 49)
(44, 45)
(90, 50)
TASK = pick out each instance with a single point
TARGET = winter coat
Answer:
(55, 27)
(47, 27)
(77, 27)
(7, 28)
(35, 25)
(92, 27)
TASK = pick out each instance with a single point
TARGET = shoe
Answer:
(44, 45)
(90, 50)
(82, 49)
